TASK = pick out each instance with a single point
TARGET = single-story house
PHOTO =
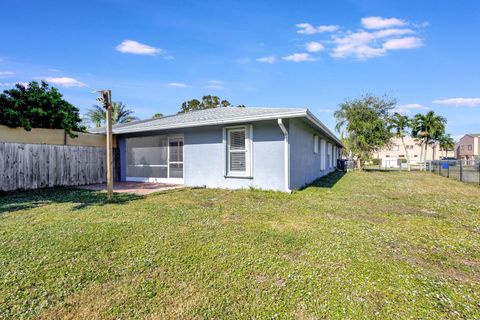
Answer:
(266, 148)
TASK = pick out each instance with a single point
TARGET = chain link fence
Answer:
(463, 170)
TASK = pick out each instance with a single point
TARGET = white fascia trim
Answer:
(286, 155)
(296, 114)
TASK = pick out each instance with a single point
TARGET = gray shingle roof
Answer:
(212, 117)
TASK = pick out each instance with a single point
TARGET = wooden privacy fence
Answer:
(32, 166)
(49, 157)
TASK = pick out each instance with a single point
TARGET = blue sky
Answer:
(315, 54)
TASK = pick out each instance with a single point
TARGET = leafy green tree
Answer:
(208, 102)
(38, 106)
(428, 128)
(120, 114)
(400, 125)
(364, 124)
(157, 115)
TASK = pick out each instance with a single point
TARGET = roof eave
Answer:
(319, 124)
(295, 114)
(285, 115)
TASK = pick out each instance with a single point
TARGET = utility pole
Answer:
(106, 100)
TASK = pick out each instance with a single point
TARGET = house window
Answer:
(238, 151)
(463, 147)
(315, 144)
(394, 147)
(409, 147)
(470, 148)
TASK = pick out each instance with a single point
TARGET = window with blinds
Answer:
(238, 145)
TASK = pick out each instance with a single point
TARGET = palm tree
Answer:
(96, 115)
(400, 124)
(419, 131)
(446, 142)
(428, 129)
(120, 114)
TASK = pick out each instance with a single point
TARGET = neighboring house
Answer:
(275, 149)
(468, 147)
(392, 155)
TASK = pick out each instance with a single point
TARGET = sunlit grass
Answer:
(365, 245)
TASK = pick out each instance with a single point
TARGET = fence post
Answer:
(461, 170)
(439, 168)
(479, 172)
(448, 169)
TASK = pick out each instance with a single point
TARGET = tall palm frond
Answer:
(120, 114)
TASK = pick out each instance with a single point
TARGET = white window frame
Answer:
(315, 144)
(248, 152)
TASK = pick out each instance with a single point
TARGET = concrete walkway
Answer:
(138, 188)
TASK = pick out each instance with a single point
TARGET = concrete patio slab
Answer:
(138, 188)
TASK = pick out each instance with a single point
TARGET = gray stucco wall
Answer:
(204, 157)
(304, 163)
(204, 161)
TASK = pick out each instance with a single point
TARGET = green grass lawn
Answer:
(370, 245)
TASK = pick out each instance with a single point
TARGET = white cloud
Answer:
(177, 85)
(363, 45)
(392, 32)
(413, 106)
(460, 102)
(407, 108)
(314, 46)
(403, 43)
(380, 23)
(357, 45)
(401, 110)
(267, 59)
(65, 82)
(134, 47)
(298, 57)
(307, 28)
(6, 74)
(215, 84)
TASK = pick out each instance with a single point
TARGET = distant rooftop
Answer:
(213, 117)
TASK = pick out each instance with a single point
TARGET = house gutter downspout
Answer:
(286, 155)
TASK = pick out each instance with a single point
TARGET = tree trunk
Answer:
(359, 164)
(425, 157)
(421, 155)
(406, 154)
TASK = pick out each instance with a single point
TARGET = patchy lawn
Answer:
(370, 245)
